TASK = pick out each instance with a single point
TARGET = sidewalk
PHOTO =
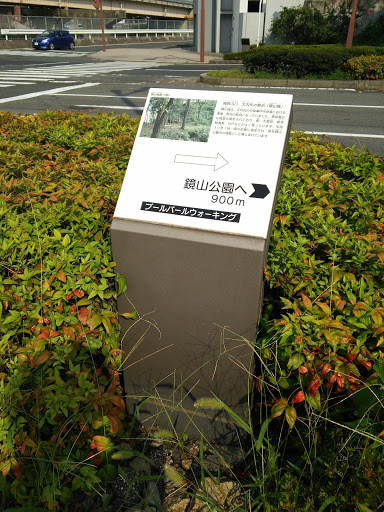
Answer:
(174, 55)
(179, 54)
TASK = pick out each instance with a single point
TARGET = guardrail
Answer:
(30, 33)
(41, 23)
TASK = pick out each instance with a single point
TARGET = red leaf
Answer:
(326, 368)
(367, 364)
(278, 407)
(307, 302)
(101, 443)
(68, 296)
(44, 333)
(333, 378)
(79, 293)
(303, 369)
(314, 386)
(83, 315)
(290, 416)
(42, 358)
(115, 423)
(69, 332)
(61, 276)
(299, 397)
(118, 401)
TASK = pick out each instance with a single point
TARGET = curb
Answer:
(359, 85)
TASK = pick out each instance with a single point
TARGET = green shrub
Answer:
(234, 55)
(60, 397)
(321, 333)
(323, 321)
(366, 67)
(298, 61)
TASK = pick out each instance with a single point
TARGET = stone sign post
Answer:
(190, 235)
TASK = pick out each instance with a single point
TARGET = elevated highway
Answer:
(180, 9)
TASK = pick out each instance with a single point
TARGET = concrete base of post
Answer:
(198, 296)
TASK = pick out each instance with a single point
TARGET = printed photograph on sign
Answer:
(178, 119)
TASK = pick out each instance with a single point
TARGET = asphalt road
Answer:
(33, 81)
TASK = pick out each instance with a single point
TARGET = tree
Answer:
(308, 25)
(200, 105)
(301, 25)
(161, 109)
(339, 14)
(185, 115)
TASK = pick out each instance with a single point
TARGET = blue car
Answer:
(53, 40)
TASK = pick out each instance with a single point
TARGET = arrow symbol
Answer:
(260, 192)
(217, 161)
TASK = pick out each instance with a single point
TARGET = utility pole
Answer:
(351, 27)
(202, 30)
(259, 21)
(98, 5)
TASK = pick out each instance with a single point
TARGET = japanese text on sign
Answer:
(250, 119)
(188, 211)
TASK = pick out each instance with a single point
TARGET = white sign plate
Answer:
(207, 160)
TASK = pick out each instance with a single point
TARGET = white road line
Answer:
(108, 106)
(45, 93)
(48, 73)
(30, 77)
(9, 82)
(35, 74)
(341, 106)
(362, 135)
(17, 79)
(174, 70)
(104, 96)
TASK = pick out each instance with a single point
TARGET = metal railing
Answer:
(37, 24)
(30, 33)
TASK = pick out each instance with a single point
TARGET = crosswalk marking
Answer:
(63, 72)
(10, 84)
(30, 52)
(19, 79)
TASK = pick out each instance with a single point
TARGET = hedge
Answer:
(299, 61)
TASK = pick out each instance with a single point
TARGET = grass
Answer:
(238, 73)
